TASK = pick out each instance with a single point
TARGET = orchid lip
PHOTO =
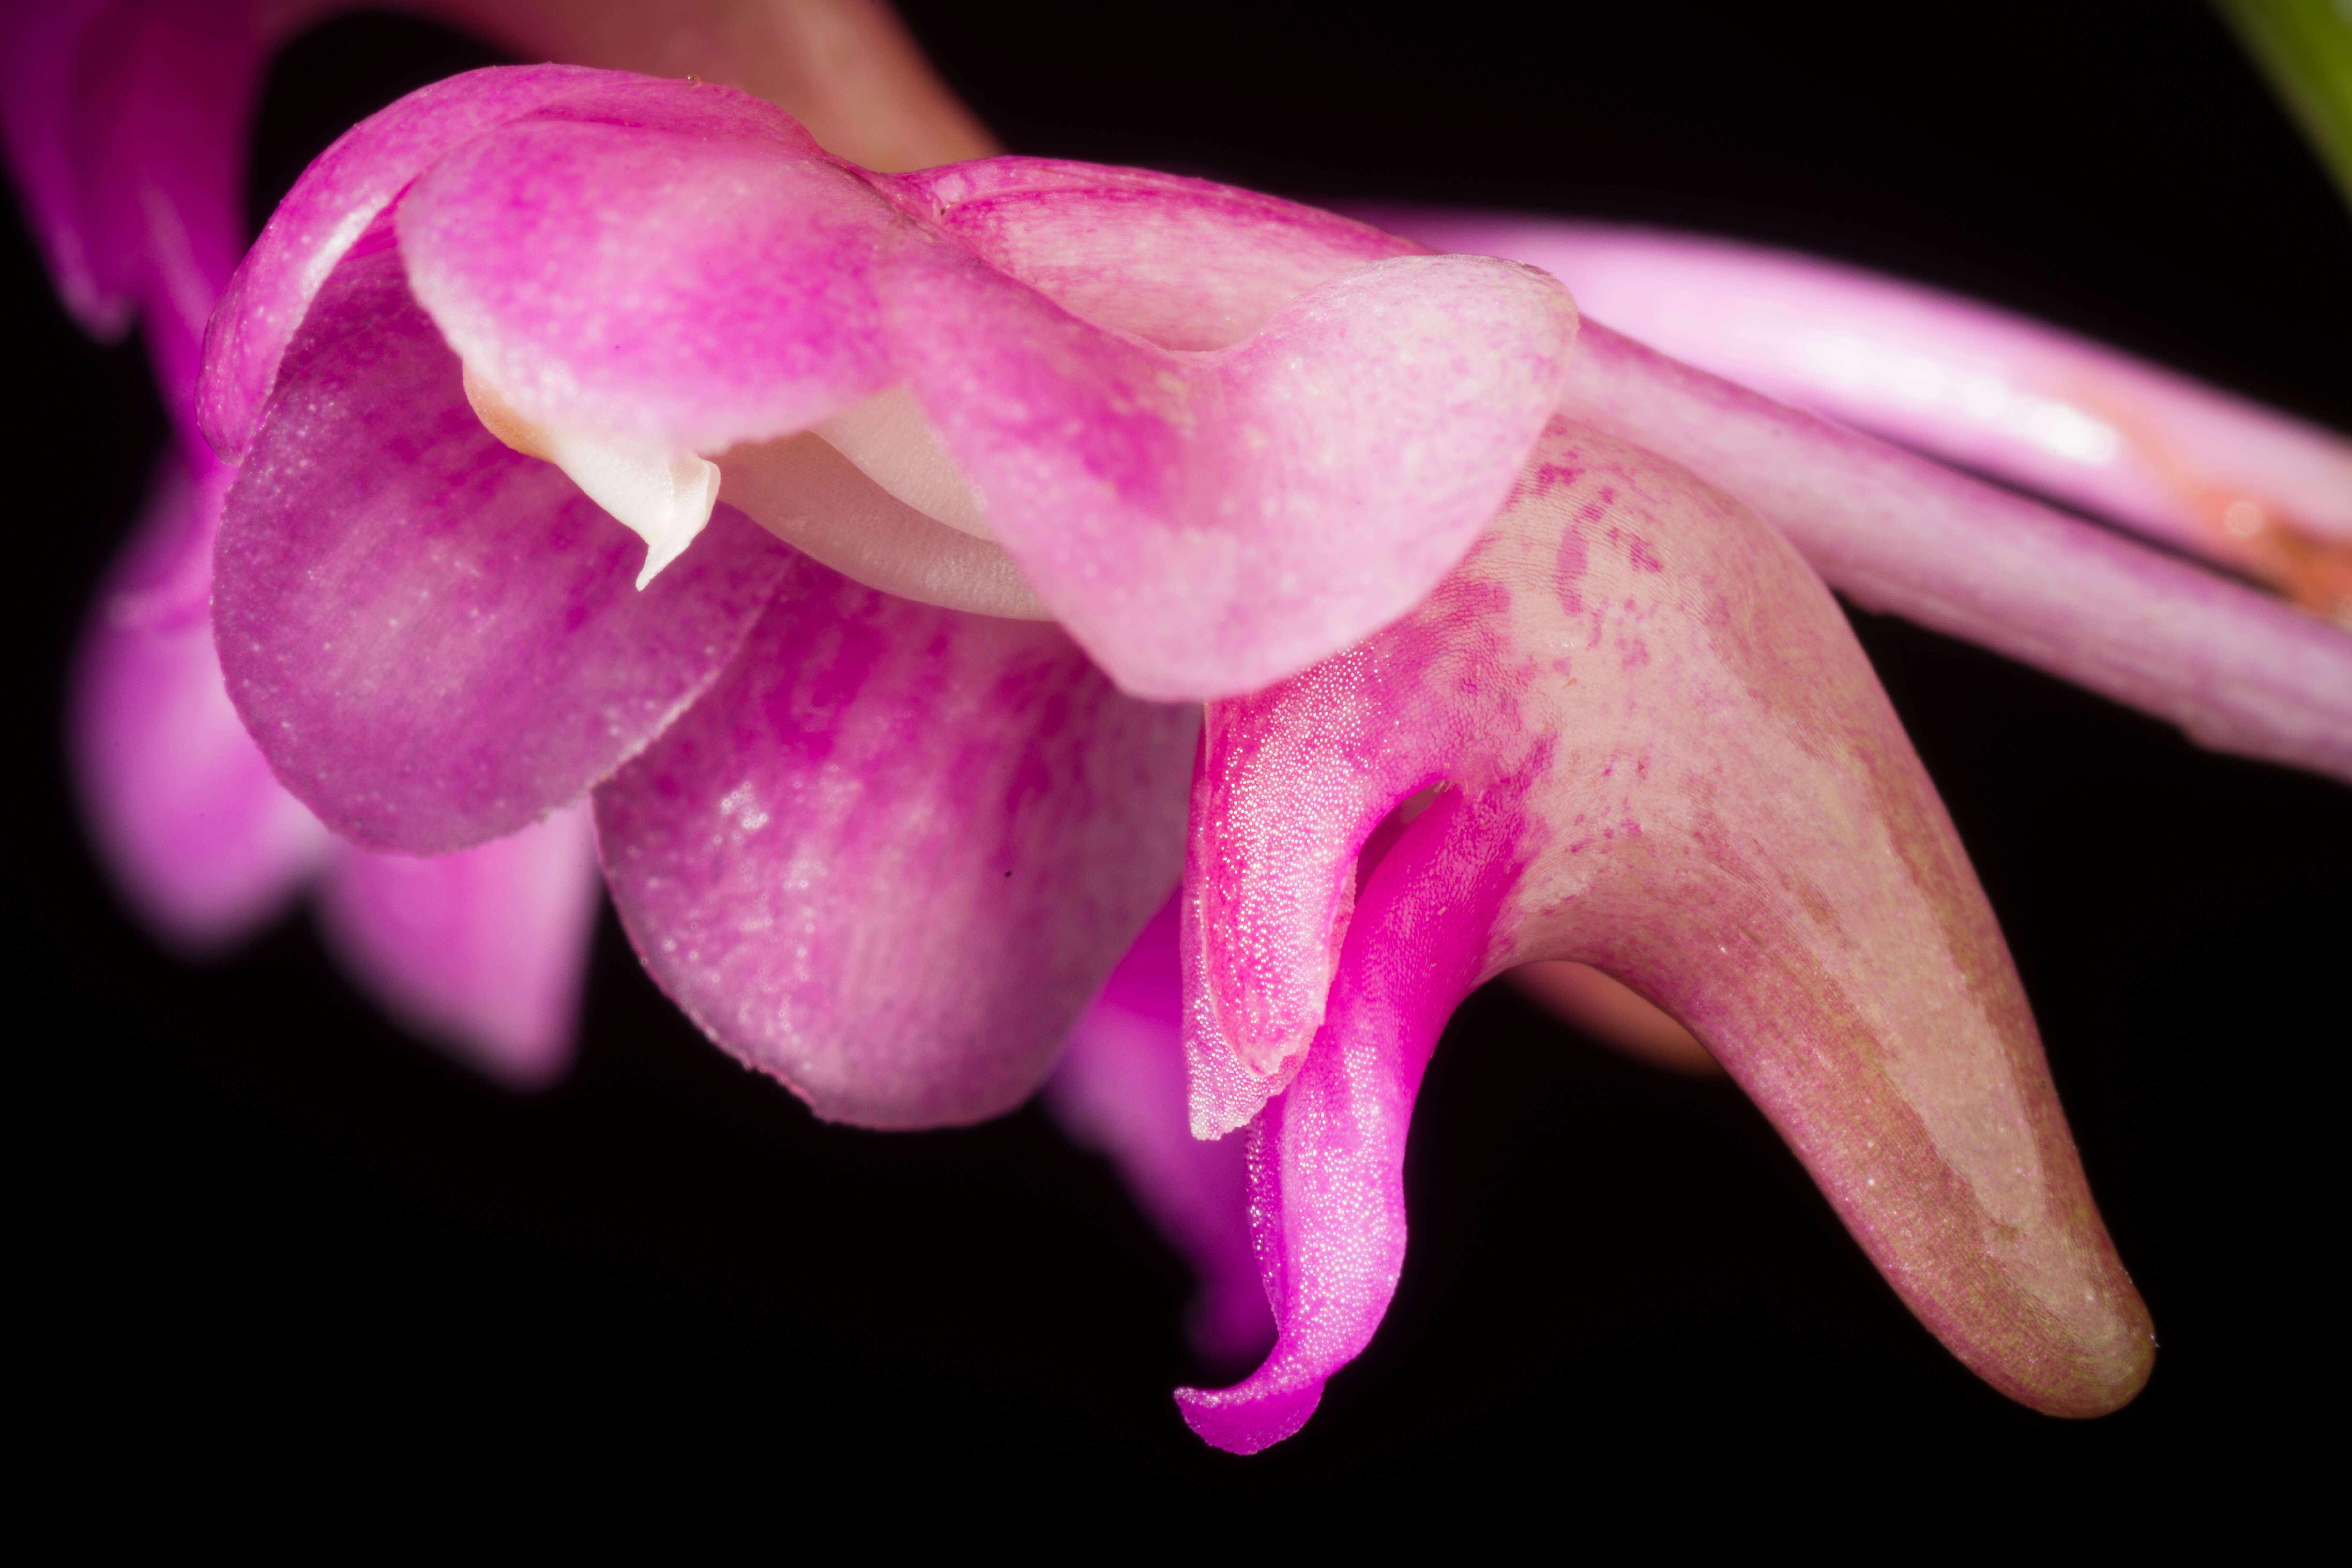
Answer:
(1664, 755)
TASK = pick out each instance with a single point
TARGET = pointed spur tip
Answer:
(2096, 1379)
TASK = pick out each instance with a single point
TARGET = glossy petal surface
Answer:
(893, 853)
(1662, 756)
(483, 950)
(436, 640)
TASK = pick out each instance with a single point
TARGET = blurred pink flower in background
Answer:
(126, 129)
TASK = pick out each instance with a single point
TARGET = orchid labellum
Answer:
(1019, 602)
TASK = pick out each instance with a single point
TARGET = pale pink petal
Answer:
(482, 950)
(1205, 523)
(2236, 668)
(1661, 754)
(1185, 264)
(203, 840)
(896, 850)
(680, 265)
(1119, 1088)
(339, 196)
(2200, 470)
(803, 491)
(435, 639)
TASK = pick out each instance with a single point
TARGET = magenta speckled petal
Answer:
(204, 841)
(896, 850)
(436, 640)
(1203, 523)
(2236, 668)
(1661, 754)
(1327, 1157)
(482, 950)
(701, 280)
(1119, 1088)
(336, 200)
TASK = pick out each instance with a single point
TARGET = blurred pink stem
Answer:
(2197, 469)
(2236, 668)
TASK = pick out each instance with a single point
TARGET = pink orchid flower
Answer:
(1221, 441)
(1016, 391)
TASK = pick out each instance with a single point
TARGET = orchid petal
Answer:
(892, 853)
(1663, 754)
(434, 639)
(1119, 1088)
(2238, 669)
(1184, 264)
(2257, 491)
(690, 272)
(335, 201)
(483, 950)
(1205, 523)
(887, 439)
(204, 841)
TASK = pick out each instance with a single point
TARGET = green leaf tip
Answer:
(2305, 46)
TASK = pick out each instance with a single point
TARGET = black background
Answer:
(263, 1238)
